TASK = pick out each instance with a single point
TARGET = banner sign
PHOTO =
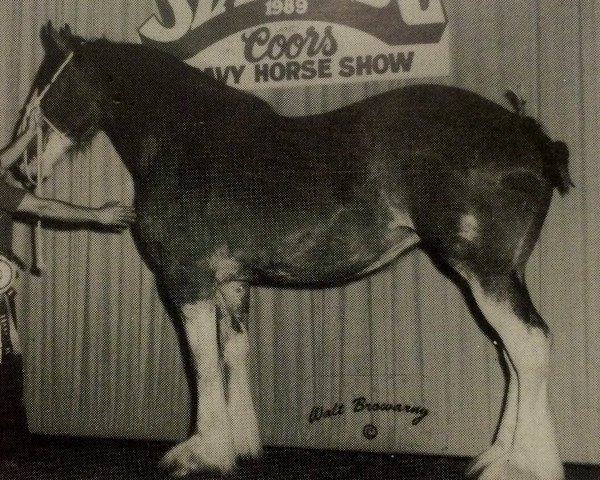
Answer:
(270, 43)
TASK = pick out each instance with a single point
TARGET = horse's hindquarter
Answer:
(474, 180)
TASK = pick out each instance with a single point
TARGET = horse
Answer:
(230, 194)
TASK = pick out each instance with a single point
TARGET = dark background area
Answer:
(48, 458)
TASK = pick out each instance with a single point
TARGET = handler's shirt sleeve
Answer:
(10, 197)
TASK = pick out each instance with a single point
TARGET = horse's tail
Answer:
(555, 155)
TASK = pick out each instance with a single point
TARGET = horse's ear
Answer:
(48, 39)
(63, 41)
(65, 32)
(67, 37)
(52, 40)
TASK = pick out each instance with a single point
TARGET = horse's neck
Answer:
(149, 128)
(156, 109)
(136, 145)
(147, 138)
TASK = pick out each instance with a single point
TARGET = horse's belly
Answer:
(338, 262)
(407, 240)
(347, 242)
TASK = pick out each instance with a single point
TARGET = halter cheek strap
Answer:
(55, 76)
(35, 103)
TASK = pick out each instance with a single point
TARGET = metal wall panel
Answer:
(101, 355)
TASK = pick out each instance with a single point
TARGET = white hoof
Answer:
(199, 453)
(246, 438)
(479, 463)
(516, 467)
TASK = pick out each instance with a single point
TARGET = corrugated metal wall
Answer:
(101, 355)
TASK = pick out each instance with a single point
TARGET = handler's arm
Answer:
(110, 214)
(14, 151)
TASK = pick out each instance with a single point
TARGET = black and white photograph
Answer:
(301, 239)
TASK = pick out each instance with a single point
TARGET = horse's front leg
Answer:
(211, 447)
(233, 302)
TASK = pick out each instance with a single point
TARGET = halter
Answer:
(34, 106)
(34, 109)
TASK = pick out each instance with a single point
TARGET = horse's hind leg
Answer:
(532, 451)
(233, 301)
(211, 447)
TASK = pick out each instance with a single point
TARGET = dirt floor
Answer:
(50, 458)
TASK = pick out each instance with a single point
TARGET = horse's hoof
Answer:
(479, 463)
(245, 434)
(199, 453)
(508, 467)
(247, 444)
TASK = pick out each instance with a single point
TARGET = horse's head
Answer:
(70, 101)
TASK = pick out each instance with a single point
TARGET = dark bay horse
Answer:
(230, 194)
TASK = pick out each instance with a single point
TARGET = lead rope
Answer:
(40, 264)
(33, 113)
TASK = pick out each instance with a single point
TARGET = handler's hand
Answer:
(114, 215)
